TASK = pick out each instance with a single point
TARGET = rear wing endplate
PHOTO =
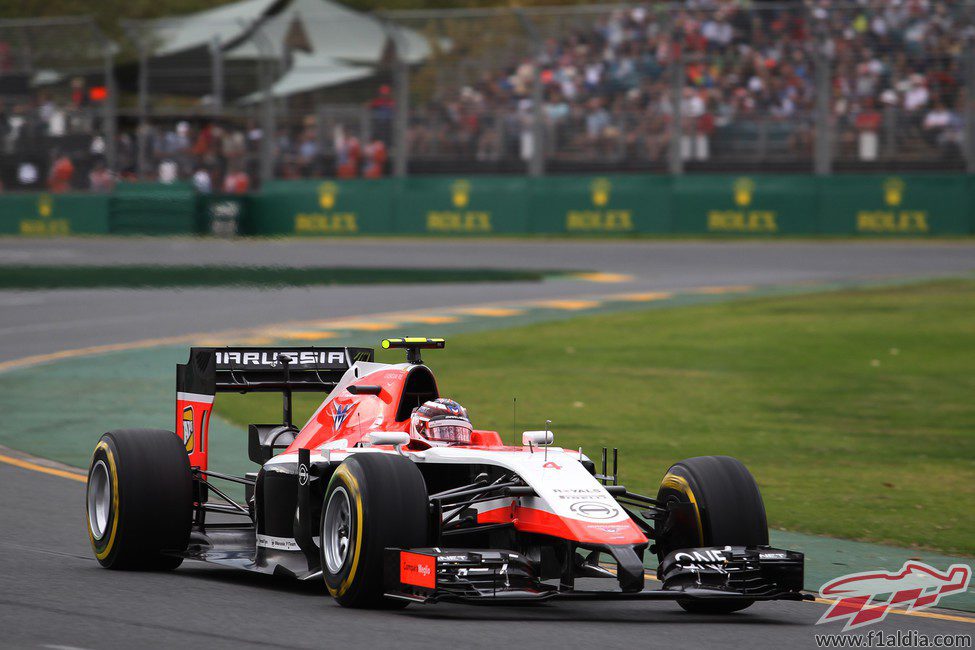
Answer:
(246, 370)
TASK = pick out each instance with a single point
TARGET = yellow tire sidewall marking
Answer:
(353, 485)
(110, 458)
(680, 484)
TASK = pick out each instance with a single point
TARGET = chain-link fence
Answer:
(236, 96)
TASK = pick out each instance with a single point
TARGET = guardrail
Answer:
(786, 204)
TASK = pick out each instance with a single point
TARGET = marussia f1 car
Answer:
(387, 518)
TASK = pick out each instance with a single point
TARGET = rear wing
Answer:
(251, 369)
(243, 370)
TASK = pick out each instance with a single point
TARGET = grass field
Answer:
(855, 410)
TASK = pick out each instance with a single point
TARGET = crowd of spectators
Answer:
(214, 155)
(747, 84)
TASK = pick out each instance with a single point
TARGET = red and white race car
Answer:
(386, 516)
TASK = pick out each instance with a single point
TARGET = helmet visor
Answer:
(449, 429)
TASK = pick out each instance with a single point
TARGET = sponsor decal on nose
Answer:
(594, 510)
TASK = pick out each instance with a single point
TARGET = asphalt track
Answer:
(39, 322)
(54, 594)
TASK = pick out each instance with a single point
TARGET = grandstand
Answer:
(262, 90)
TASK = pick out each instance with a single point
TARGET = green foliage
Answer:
(853, 409)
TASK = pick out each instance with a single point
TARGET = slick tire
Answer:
(139, 501)
(373, 501)
(729, 509)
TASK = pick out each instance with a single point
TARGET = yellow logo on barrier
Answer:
(600, 192)
(327, 193)
(45, 205)
(460, 194)
(460, 220)
(327, 223)
(45, 225)
(598, 219)
(453, 221)
(743, 193)
(893, 191)
(893, 221)
(743, 189)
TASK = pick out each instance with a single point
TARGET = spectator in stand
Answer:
(867, 124)
(916, 95)
(309, 152)
(62, 171)
(382, 104)
(168, 172)
(202, 180)
(348, 153)
(938, 126)
(204, 146)
(236, 181)
(375, 154)
(382, 107)
(27, 175)
(100, 179)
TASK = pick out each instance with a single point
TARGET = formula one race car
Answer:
(387, 516)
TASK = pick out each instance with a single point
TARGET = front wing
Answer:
(431, 575)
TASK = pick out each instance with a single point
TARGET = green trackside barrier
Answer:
(154, 209)
(322, 208)
(53, 214)
(756, 204)
(474, 205)
(910, 204)
(761, 204)
(588, 205)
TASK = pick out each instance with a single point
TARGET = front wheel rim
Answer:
(99, 499)
(337, 530)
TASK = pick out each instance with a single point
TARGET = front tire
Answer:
(139, 501)
(373, 501)
(728, 508)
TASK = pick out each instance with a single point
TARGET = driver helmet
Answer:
(442, 420)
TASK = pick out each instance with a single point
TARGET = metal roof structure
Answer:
(313, 44)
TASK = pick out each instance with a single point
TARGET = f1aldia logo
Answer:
(865, 598)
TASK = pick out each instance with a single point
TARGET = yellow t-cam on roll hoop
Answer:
(413, 345)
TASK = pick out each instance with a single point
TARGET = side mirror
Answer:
(395, 438)
(537, 437)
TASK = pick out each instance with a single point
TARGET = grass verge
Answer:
(71, 277)
(853, 409)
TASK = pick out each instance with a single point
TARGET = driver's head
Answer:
(442, 420)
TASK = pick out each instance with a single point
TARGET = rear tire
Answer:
(373, 501)
(139, 499)
(730, 512)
